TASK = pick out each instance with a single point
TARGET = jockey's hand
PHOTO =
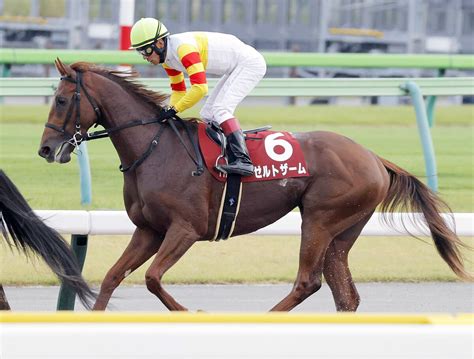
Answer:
(169, 112)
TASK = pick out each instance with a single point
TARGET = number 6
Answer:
(271, 142)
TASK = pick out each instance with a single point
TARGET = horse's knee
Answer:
(305, 288)
(153, 282)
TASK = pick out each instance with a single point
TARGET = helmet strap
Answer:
(161, 52)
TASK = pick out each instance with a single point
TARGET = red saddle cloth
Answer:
(275, 155)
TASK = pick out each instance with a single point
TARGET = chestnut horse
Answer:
(23, 229)
(172, 209)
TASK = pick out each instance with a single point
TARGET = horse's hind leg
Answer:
(142, 246)
(3, 300)
(336, 268)
(315, 239)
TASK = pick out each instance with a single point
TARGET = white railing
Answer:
(118, 223)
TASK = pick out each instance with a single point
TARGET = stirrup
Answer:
(218, 168)
(236, 170)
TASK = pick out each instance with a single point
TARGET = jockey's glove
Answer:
(168, 113)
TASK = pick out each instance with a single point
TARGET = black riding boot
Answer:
(240, 162)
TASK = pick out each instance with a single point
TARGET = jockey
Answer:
(240, 66)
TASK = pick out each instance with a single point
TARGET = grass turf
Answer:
(250, 259)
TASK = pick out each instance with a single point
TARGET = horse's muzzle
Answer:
(45, 152)
(60, 153)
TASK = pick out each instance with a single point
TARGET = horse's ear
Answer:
(64, 70)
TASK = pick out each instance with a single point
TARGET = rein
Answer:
(199, 162)
(77, 138)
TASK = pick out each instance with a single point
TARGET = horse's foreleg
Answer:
(3, 300)
(177, 241)
(314, 242)
(336, 268)
(142, 246)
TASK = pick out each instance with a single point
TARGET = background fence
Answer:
(273, 59)
(117, 223)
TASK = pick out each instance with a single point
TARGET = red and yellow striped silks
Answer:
(192, 60)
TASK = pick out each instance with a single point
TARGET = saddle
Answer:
(215, 133)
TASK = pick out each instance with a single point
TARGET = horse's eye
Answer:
(61, 101)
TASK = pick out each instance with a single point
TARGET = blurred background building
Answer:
(356, 26)
(387, 26)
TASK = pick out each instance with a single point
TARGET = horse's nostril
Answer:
(44, 151)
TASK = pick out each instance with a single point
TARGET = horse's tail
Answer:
(409, 194)
(29, 234)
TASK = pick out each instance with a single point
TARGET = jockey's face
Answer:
(154, 58)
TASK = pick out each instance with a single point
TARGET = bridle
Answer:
(77, 138)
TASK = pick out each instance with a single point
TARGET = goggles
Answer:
(146, 50)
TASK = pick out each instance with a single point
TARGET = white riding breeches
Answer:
(232, 88)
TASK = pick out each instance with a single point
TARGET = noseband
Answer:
(77, 138)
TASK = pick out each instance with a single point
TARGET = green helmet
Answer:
(146, 31)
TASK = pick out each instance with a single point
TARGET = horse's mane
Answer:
(126, 80)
